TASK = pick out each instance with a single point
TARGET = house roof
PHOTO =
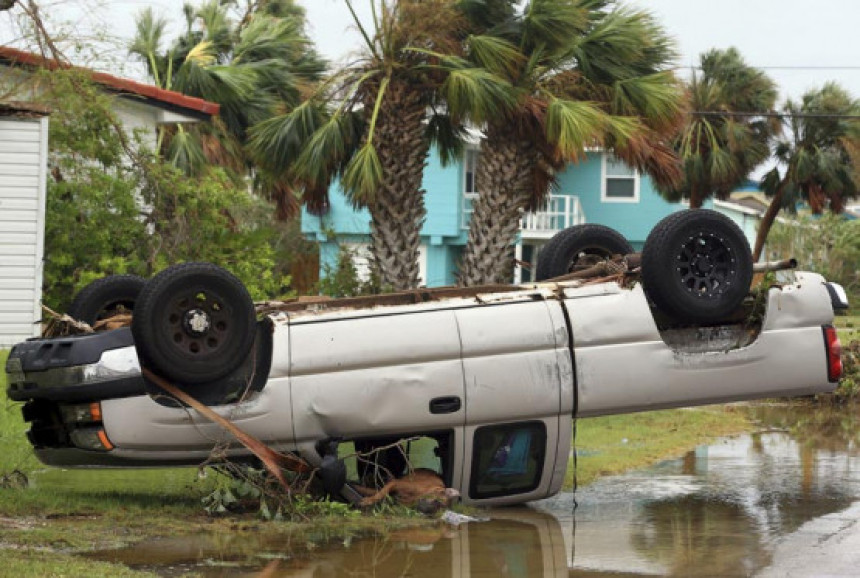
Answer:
(23, 109)
(157, 96)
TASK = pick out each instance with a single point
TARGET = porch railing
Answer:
(558, 212)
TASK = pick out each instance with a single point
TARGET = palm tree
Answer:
(722, 142)
(254, 65)
(822, 139)
(372, 123)
(582, 73)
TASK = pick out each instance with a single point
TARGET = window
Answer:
(470, 189)
(470, 169)
(620, 182)
(371, 466)
(508, 459)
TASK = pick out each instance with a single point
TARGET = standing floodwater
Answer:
(735, 508)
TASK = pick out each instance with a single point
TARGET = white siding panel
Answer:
(8, 191)
(7, 146)
(19, 136)
(29, 217)
(17, 250)
(9, 274)
(17, 261)
(17, 204)
(15, 158)
(8, 127)
(24, 317)
(23, 173)
(17, 282)
(12, 306)
(31, 182)
(24, 227)
(29, 170)
(17, 238)
(14, 333)
(17, 295)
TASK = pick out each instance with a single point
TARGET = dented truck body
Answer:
(493, 381)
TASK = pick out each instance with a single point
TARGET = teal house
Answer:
(598, 189)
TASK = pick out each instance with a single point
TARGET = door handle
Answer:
(448, 404)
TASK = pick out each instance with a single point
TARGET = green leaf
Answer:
(363, 176)
(572, 125)
(496, 55)
(477, 94)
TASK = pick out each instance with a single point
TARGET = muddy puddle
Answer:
(720, 510)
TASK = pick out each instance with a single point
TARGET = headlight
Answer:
(91, 439)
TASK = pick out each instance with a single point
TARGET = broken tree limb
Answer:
(601, 269)
(272, 460)
(775, 265)
(58, 325)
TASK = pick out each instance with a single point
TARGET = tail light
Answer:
(834, 353)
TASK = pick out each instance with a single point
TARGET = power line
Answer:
(787, 67)
(773, 114)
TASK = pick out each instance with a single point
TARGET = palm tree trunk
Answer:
(768, 218)
(397, 212)
(695, 198)
(504, 178)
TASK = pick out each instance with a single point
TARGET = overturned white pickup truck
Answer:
(485, 382)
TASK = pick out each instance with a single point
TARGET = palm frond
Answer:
(573, 125)
(448, 136)
(276, 142)
(149, 31)
(497, 55)
(185, 152)
(324, 151)
(552, 23)
(363, 176)
(476, 94)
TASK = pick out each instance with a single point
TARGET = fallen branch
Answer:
(272, 460)
(63, 325)
(775, 265)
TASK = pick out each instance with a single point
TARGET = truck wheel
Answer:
(697, 266)
(193, 323)
(106, 297)
(576, 247)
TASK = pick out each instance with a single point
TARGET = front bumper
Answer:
(75, 369)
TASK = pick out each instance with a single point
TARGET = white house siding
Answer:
(23, 154)
(746, 218)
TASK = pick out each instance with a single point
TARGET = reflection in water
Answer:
(717, 511)
(518, 542)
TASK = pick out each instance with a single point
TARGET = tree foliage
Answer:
(113, 208)
(255, 63)
(720, 149)
(369, 127)
(815, 156)
(829, 245)
(577, 74)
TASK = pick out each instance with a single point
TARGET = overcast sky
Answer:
(817, 41)
(769, 33)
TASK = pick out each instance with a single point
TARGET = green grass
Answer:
(35, 564)
(848, 327)
(615, 444)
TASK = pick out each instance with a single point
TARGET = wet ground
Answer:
(784, 501)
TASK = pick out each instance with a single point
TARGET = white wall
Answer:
(23, 154)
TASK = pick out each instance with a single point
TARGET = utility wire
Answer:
(787, 67)
(773, 114)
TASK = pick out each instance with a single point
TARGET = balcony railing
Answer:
(558, 212)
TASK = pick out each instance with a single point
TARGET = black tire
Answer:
(193, 323)
(697, 266)
(565, 250)
(106, 297)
